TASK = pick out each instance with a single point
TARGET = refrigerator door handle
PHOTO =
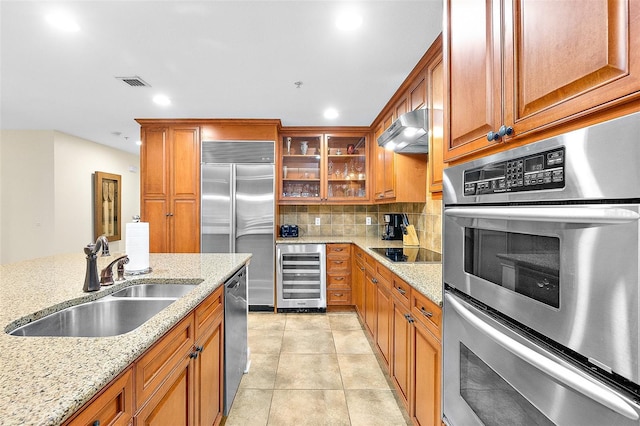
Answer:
(233, 212)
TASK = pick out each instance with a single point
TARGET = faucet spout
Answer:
(91, 282)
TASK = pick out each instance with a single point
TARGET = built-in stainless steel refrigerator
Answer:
(238, 208)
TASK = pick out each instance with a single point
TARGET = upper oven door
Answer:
(495, 376)
(570, 272)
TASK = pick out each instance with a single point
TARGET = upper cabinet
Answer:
(519, 68)
(322, 166)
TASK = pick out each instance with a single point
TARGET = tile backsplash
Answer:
(350, 220)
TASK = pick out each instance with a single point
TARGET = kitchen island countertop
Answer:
(424, 277)
(44, 380)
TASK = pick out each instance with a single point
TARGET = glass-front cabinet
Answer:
(328, 167)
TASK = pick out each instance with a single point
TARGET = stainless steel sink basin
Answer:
(100, 318)
(155, 290)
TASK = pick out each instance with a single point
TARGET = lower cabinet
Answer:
(357, 283)
(177, 381)
(406, 327)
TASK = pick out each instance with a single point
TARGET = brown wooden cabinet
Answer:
(536, 66)
(338, 274)
(170, 187)
(324, 166)
(358, 280)
(113, 406)
(435, 79)
(400, 368)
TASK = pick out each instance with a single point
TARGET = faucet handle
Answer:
(106, 275)
(123, 261)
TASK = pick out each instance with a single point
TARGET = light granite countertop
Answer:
(43, 380)
(424, 277)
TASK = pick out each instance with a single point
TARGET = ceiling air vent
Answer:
(134, 81)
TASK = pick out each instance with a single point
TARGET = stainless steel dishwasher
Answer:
(235, 335)
(301, 282)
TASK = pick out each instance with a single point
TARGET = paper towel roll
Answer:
(137, 246)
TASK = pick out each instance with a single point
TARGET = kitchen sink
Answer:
(108, 316)
(155, 290)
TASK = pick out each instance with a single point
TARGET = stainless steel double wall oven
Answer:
(541, 271)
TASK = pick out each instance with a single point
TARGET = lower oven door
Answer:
(493, 375)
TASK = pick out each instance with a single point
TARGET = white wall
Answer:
(47, 192)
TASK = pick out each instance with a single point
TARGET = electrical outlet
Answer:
(368, 220)
(317, 221)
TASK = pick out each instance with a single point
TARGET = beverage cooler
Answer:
(301, 283)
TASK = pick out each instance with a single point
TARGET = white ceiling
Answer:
(214, 59)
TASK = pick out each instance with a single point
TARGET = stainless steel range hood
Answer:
(408, 134)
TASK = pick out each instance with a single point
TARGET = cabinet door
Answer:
(383, 322)
(154, 162)
(302, 159)
(473, 34)
(185, 162)
(347, 167)
(155, 212)
(184, 224)
(389, 188)
(401, 348)
(425, 405)
(591, 48)
(209, 375)
(357, 284)
(370, 297)
(435, 77)
(173, 403)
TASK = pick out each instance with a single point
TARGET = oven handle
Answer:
(564, 214)
(556, 371)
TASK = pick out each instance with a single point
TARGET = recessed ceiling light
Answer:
(63, 22)
(162, 100)
(349, 21)
(331, 113)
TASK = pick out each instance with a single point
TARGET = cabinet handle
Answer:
(409, 319)
(502, 131)
(338, 262)
(401, 291)
(338, 294)
(337, 249)
(199, 348)
(338, 278)
(96, 423)
(193, 355)
(362, 269)
(373, 280)
(169, 214)
(425, 312)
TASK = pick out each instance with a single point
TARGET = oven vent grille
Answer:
(134, 81)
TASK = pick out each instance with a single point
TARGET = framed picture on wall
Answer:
(108, 206)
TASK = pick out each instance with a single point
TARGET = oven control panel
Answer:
(543, 170)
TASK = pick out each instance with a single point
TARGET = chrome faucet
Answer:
(91, 282)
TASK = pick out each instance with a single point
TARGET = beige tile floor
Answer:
(313, 369)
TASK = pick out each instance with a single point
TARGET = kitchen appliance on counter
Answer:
(289, 231)
(238, 207)
(409, 254)
(301, 277)
(236, 351)
(541, 272)
(392, 229)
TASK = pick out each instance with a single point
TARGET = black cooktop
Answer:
(409, 254)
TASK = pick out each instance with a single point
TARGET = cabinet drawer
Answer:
(208, 310)
(401, 291)
(113, 407)
(427, 312)
(338, 281)
(359, 254)
(385, 274)
(158, 362)
(338, 265)
(342, 251)
(339, 297)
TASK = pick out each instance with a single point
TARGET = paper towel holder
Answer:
(108, 205)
